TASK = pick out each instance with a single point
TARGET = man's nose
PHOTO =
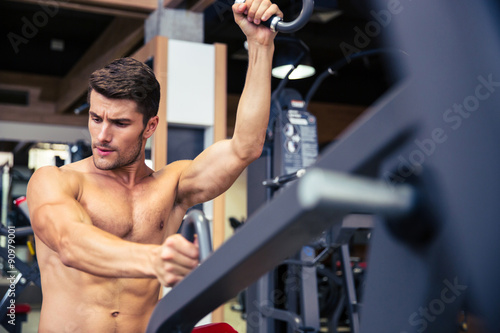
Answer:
(105, 134)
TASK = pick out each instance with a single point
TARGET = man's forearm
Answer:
(254, 106)
(92, 250)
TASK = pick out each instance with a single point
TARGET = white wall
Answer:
(190, 83)
(17, 131)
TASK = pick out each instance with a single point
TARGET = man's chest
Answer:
(139, 215)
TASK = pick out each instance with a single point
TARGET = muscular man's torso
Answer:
(75, 301)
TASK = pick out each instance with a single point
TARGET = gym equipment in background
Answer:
(20, 274)
(291, 147)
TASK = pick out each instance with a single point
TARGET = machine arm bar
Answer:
(356, 195)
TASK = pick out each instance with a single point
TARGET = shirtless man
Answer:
(105, 226)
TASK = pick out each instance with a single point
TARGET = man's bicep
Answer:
(210, 174)
(51, 222)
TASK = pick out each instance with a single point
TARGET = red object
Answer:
(19, 200)
(22, 308)
(214, 328)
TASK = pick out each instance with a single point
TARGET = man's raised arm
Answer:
(216, 169)
(61, 223)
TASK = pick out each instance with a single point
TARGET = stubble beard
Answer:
(121, 161)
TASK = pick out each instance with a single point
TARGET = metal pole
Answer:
(5, 192)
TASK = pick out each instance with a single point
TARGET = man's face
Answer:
(117, 131)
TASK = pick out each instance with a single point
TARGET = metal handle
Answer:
(276, 24)
(195, 222)
(354, 194)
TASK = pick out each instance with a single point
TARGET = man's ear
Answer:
(151, 127)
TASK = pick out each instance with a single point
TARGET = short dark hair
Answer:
(127, 78)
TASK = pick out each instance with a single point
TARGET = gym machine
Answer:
(433, 138)
(290, 148)
(20, 273)
(250, 252)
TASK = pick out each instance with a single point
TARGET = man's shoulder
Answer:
(67, 173)
(176, 167)
(48, 183)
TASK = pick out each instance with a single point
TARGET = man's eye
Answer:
(96, 119)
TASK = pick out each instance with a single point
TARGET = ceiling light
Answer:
(291, 53)
(57, 45)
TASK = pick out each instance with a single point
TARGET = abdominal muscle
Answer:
(74, 301)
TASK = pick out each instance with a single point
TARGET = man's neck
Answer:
(129, 175)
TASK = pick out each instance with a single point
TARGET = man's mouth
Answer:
(103, 151)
